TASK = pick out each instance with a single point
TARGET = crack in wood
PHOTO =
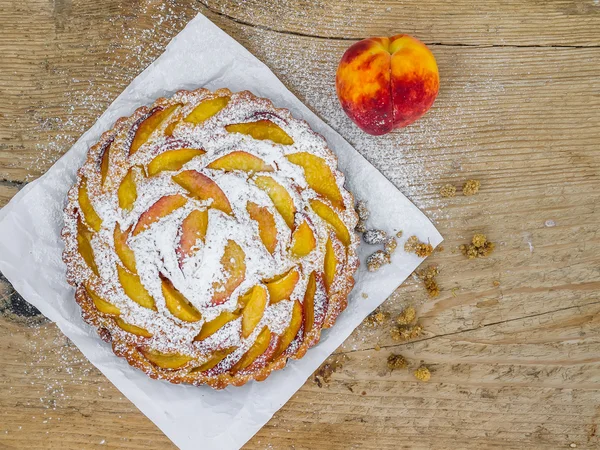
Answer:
(437, 336)
(12, 183)
(355, 39)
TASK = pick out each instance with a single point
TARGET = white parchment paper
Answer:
(30, 247)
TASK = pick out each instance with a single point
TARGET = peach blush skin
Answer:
(386, 83)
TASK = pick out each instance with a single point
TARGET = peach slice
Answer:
(254, 310)
(132, 328)
(258, 348)
(172, 160)
(280, 197)
(171, 127)
(84, 238)
(267, 229)
(127, 192)
(206, 109)
(318, 176)
(303, 240)
(147, 127)
(282, 288)
(334, 260)
(166, 360)
(123, 250)
(215, 359)
(105, 161)
(92, 219)
(163, 207)
(203, 188)
(209, 328)
(135, 290)
(292, 330)
(239, 160)
(329, 216)
(193, 227)
(234, 266)
(309, 303)
(101, 304)
(177, 304)
(262, 130)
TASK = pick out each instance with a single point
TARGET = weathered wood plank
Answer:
(513, 365)
(491, 387)
(479, 88)
(462, 22)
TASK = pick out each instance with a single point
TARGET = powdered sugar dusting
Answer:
(201, 275)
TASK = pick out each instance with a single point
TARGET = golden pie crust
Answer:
(209, 237)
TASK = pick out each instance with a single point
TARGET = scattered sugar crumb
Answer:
(362, 210)
(403, 333)
(322, 375)
(374, 237)
(364, 295)
(496, 283)
(377, 318)
(361, 226)
(480, 247)
(399, 234)
(407, 316)
(396, 362)
(377, 259)
(448, 191)
(428, 275)
(550, 223)
(390, 246)
(471, 187)
(413, 245)
(422, 373)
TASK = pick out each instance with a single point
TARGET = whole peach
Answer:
(386, 83)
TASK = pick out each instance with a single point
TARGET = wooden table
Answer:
(513, 366)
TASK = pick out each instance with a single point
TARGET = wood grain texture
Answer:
(555, 23)
(513, 366)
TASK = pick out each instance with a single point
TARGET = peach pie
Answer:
(209, 237)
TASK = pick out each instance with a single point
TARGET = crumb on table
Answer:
(377, 318)
(448, 191)
(422, 373)
(407, 316)
(471, 187)
(401, 333)
(479, 247)
(421, 249)
(428, 275)
(399, 234)
(396, 362)
(323, 374)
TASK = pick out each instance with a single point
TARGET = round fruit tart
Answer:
(209, 237)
